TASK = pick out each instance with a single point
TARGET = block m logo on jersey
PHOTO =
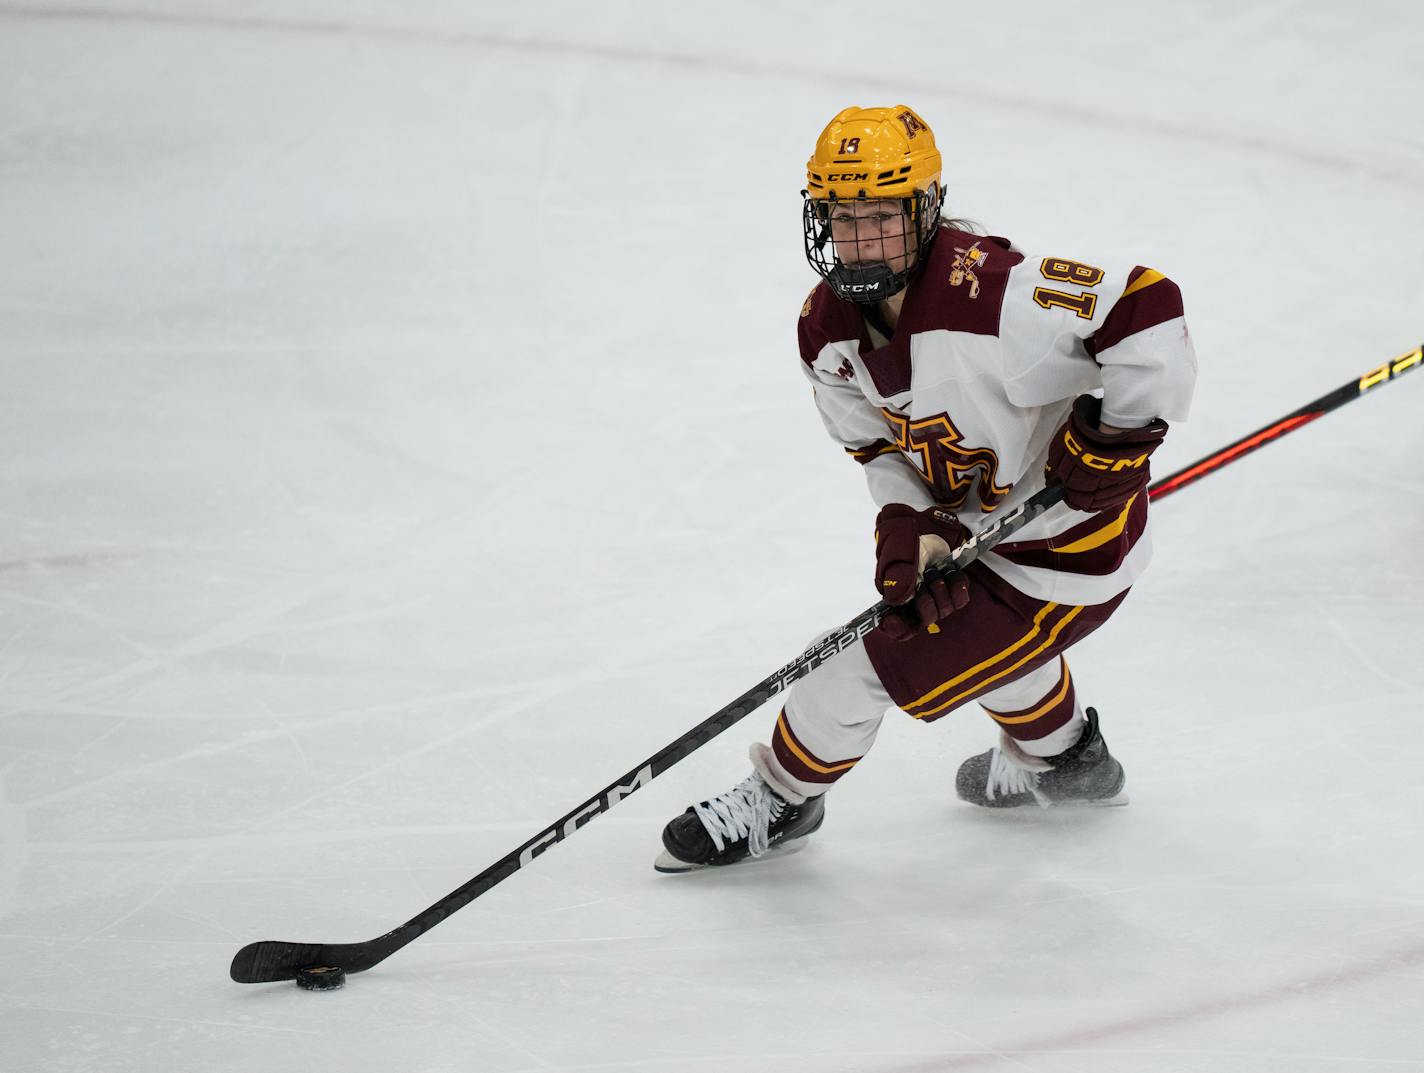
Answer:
(932, 444)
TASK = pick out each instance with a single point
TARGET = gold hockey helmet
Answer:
(864, 155)
(873, 152)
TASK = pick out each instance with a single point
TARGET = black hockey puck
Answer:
(321, 978)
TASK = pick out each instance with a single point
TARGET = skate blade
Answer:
(1054, 806)
(670, 865)
(1101, 802)
(1120, 799)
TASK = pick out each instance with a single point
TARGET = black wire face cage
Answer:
(867, 249)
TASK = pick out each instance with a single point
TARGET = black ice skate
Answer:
(749, 820)
(1007, 777)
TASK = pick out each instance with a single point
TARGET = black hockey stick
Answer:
(269, 961)
(1289, 423)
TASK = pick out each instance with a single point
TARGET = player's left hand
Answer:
(1100, 469)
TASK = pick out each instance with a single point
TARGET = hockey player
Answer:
(963, 374)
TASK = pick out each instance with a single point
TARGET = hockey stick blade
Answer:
(271, 960)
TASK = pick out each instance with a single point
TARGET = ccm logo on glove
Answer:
(1100, 470)
(1101, 462)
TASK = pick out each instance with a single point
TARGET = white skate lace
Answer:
(744, 811)
(1008, 778)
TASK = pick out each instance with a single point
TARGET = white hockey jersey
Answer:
(958, 408)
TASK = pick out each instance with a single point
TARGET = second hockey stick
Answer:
(1384, 374)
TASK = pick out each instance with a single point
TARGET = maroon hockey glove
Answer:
(1100, 470)
(906, 541)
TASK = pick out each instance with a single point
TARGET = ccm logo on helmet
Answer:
(848, 177)
(1092, 461)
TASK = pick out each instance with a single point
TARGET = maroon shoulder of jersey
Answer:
(961, 288)
(827, 319)
(1149, 299)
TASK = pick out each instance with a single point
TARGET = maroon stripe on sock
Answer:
(790, 753)
(1046, 719)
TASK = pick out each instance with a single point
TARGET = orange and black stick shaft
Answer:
(1390, 370)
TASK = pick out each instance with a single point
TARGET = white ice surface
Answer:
(402, 437)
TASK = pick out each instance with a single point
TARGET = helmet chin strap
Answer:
(867, 285)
